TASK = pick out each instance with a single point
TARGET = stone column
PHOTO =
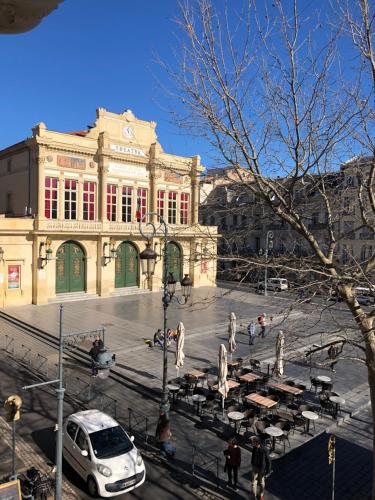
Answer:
(195, 171)
(102, 177)
(60, 199)
(80, 199)
(152, 183)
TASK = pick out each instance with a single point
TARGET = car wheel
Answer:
(92, 487)
(278, 289)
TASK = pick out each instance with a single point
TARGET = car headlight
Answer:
(139, 458)
(104, 470)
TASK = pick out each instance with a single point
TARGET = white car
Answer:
(102, 453)
(276, 284)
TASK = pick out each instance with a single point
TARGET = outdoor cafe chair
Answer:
(210, 385)
(326, 406)
(301, 397)
(255, 364)
(298, 421)
(286, 428)
(285, 416)
(262, 393)
(327, 386)
(305, 407)
(315, 383)
(274, 398)
(289, 382)
(259, 427)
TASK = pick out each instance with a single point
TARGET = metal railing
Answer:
(205, 464)
(138, 424)
(105, 403)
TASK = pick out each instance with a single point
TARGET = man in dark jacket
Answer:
(232, 462)
(261, 466)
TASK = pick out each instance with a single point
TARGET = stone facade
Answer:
(77, 197)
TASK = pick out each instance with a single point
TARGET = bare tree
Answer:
(281, 92)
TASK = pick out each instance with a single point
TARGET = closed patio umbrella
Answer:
(279, 363)
(223, 372)
(180, 341)
(232, 333)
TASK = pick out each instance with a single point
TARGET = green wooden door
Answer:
(127, 265)
(70, 268)
(174, 260)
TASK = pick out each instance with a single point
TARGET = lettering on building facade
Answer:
(71, 162)
(128, 170)
(127, 150)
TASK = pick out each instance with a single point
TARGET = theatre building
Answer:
(70, 205)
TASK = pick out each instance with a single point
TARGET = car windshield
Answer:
(111, 442)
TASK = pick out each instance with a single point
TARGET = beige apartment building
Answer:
(71, 203)
(243, 219)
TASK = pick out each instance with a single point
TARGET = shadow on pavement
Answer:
(305, 472)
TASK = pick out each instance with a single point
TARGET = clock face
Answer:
(128, 132)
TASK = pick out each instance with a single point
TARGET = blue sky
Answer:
(90, 54)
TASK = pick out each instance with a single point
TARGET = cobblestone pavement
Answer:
(130, 319)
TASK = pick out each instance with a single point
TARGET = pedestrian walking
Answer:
(232, 463)
(332, 354)
(251, 332)
(262, 324)
(261, 467)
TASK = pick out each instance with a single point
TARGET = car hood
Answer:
(126, 463)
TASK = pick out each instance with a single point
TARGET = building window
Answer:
(127, 193)
(172, 207)
(184, 208)
(161, 203)
(111, 202)
(141, 203)
(70, 198)
(89, 189)
(50, 197)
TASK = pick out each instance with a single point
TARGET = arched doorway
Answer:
(174, 260)
(70, 268)
(127, 265)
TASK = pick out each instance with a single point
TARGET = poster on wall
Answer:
(14, 276)
(204, 266)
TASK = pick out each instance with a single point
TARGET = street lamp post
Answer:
(269, 246)
(148, 260)
(106, 362)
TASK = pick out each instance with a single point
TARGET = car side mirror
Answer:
(132, 439)
(84, 453)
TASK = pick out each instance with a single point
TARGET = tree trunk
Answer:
(367, 330)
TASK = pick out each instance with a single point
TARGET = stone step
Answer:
(72, 297)
(129, 290)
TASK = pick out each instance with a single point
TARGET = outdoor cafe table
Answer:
(323, 378)
(261, 400)
(174, 390)
(232, 384)
(287, 388)
(274, 432)
(249, 377)
(337, 400)
(236, 417)
(309, 415)
(196, 374)
(198, 399)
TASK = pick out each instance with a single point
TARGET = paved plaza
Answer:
(137, 380)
